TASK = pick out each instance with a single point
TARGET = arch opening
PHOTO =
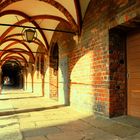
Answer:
(12, 76)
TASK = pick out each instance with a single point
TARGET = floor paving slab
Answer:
(48, 123)
(98, 134)
(6, 106)
(128, 120)
(36, 138)
(74, 126)
(27, 126)
(44, 119)
(22, 115)
(66, 136)
(133, 137)
(121, 130)
(113, 127)
(41, 131)
(13, 134)
(8, 123)
(98, 122)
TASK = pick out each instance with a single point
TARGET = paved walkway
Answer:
(29, 117)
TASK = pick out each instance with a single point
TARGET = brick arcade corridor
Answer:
(69, 69)
(26, 116)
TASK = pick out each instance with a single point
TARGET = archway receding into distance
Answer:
(12, 77)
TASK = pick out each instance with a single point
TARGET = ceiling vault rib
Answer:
(54, 30)
(79, 15)
(19, 34)
(53, 3)
(16, 40)
(20, 51)
(16, 60)
(28, 18)
(9, 56)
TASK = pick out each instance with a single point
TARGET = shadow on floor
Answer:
(70, 126)
(43, 120)
(18, 111)
(20, 98)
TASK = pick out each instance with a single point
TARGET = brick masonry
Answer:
(105, 68)
(96, 61)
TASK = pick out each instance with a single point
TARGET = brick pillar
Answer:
(33, 68)
(24, 78)
(26, 73)
(43, 86)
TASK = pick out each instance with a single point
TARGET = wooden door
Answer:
(133, 68)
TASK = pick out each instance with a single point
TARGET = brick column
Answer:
(33, 68)
(24, 78)
(26, 73)
(43, 84)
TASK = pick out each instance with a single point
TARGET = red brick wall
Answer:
(100, 16)
(53, 84)
(90, 61)
(93, 41)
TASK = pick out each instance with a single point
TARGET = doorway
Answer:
(124, 50)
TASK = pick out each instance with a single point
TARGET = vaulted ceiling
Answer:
(40, 14)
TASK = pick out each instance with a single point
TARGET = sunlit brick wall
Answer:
(89, 57)
(89, 65)
(53, 83)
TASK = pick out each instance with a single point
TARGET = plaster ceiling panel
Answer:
(33, 47)
(49, 24)
(2, 46)
(15, 31)
(8, 19)
(84, 5)
(39, 36)
(32, 7)
(70, 6)
(28, 24)
(2, 29)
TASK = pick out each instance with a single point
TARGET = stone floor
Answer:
(29, 117)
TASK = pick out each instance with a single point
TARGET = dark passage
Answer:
(11, 75)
